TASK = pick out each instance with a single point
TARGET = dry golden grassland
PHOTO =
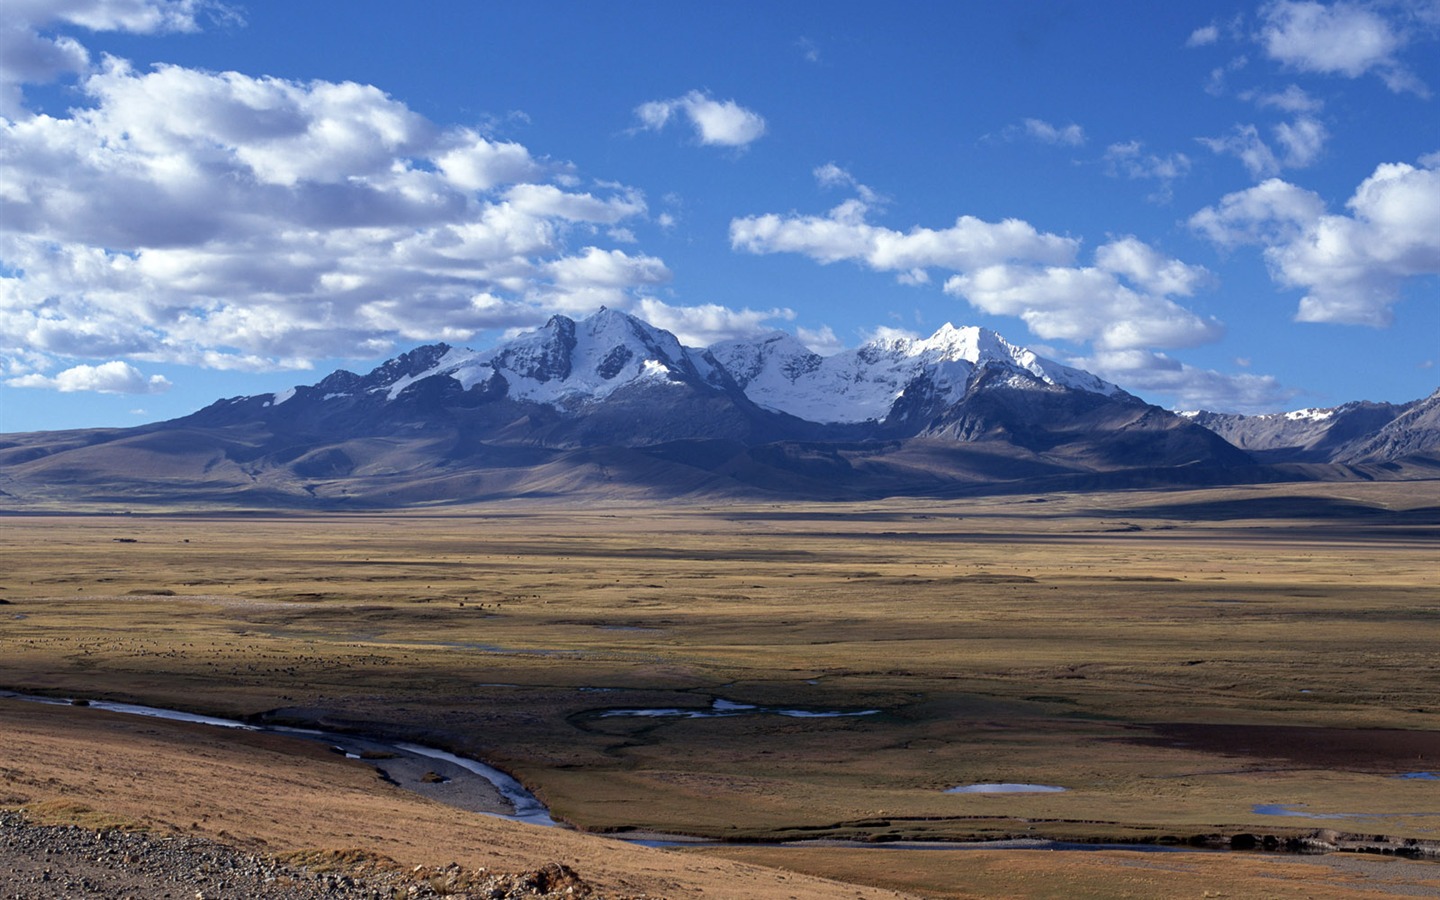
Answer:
(1102, 875)
(292, 798)
(1097, 642)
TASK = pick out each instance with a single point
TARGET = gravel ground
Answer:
(47, 862)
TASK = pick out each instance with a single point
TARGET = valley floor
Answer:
(1190, 666)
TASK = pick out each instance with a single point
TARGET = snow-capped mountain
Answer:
(568, 364)
(576, 366)
(862, 385)
(612, 380)
(612, 406)
(564, 364)
(1345, 434)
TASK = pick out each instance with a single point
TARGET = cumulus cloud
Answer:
(1344, 38)
(546, 201)
(1352, 267)
(723, 123)
(1129, 160)
(831, 175)
(1216, 84)
(1301, 142)
(1292, 100)
(28, 56)
(596, 277)
(1071, 135)
(1203, 36)
(822, 340)
(1190, 387)
(1273, 211)
(701, 326)
(888, 334)
(1245, 144)
(238, 222)
(1295, 144)
(473, 163)
(844, 234)
(114, 377)
(1123, 301)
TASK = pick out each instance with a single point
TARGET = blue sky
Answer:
(1224, 205)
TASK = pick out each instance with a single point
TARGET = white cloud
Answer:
(831, 175)
(1203, 36)
(607, 268)
(232, 222)
(822, 340)
(1215, 85)
(1343, 38)
(1352, 267)
(886, 334)
(1007, 268)
(1271, 212)
(1071, 135)
(135, 16)
(114, 377)
(1121, 302)
(716, 122)
(1149, 269)
(1188, 387)
(1129, 160)
(701, 326)
(1303, 140)
(1292, 100)
(477, 164)
(29, 57)
(845, 235)
(547, 201)
(1245, 144)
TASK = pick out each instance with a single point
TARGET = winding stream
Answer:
(526, 807)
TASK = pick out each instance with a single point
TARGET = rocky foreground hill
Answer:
(611, 407)
(41, 862)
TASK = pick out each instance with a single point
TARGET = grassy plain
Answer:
(1172, 659)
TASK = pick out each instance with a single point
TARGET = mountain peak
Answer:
(864, 384)
(970, 343)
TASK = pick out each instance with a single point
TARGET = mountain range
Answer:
(610, 406)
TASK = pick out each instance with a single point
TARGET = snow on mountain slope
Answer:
(565, 364)
(571, 365)
(859, 385)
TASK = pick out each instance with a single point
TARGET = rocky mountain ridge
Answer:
(1355, 432)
